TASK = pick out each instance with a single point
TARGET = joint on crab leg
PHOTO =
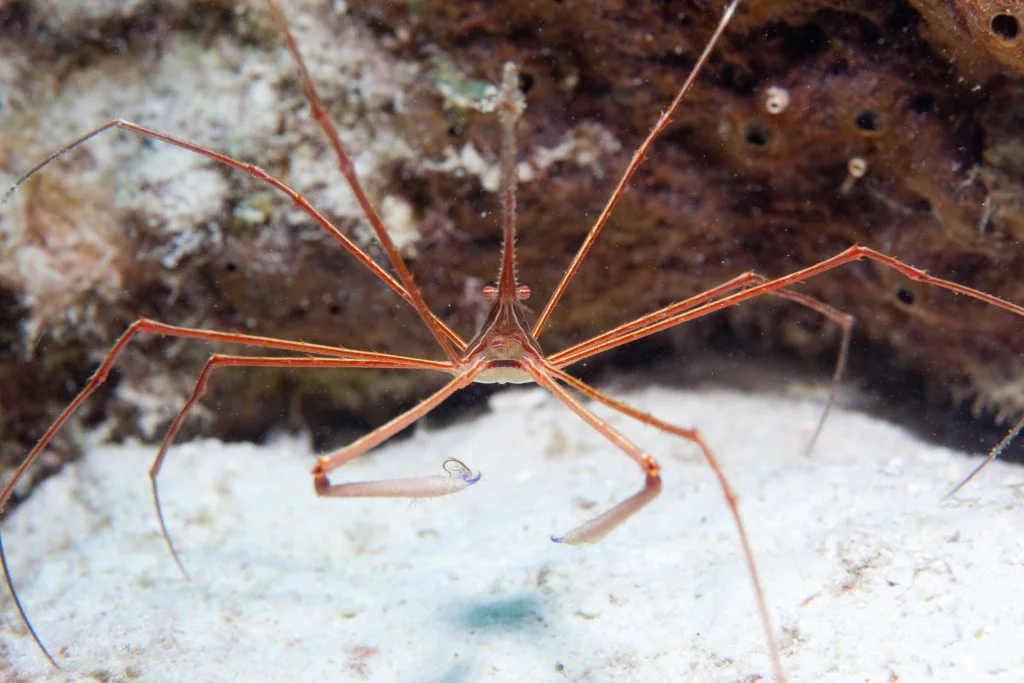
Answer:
(458, 476)
(636, 329)
(359, 359)
(597, 528)
(731, 499)
(505, 348)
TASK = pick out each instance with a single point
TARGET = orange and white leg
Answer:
(694, 436)
(457, 475)
(595, 529)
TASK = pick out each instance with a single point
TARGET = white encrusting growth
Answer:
(856, 168)
(67, 242)
(776, 99)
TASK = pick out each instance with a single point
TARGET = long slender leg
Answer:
(582, 350)
(678, 313)
(217, 360)
(695, 437)
(627, 175)
(405, 488)
(595, 529)
(675, 314)
(20, 607)
(992, 455)
(319, 114)
(845, 321)
(436, 324)
(337, 354)
(145, 325)
(569, 355)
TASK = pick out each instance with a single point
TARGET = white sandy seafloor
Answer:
(870, 574)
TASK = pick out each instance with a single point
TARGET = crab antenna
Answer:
(509, 105)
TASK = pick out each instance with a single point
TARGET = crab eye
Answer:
(522, 292)
(490, 292)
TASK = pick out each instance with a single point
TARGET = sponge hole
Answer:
(1006, 27)
(922, 103)
(756, 134)
(868, 121)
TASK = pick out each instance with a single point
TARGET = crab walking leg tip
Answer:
(583, 534)
(571, 538)
(595, 529)
(591, 531)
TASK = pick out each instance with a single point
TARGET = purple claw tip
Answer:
(469, 481)
(557, 539)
